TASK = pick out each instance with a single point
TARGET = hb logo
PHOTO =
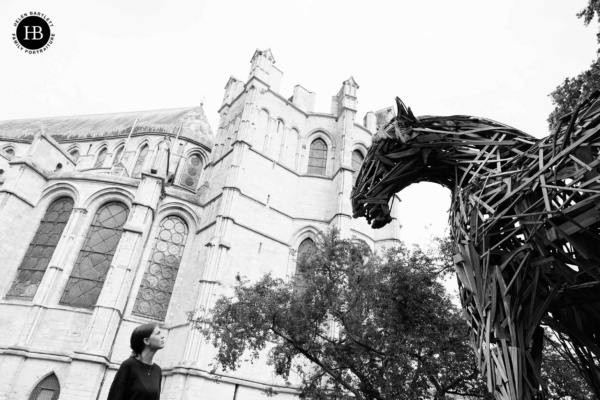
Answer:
(33, 32)
(36, 31)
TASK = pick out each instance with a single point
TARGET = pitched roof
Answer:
(195, 125)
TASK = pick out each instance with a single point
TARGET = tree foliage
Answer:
(560, 374)
(359, 324)
(573, 90)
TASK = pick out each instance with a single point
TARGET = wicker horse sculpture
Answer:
(525, 220)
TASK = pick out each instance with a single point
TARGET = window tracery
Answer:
(40, 251)
(317, 157)
(191, 171)
(88, 275)
(159, 279)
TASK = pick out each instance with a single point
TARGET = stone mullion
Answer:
(60, 257)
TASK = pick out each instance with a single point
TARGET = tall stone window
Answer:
(93, 261)
(139, 163)
(118, 154)
(47, 389)
(357, 160)
(101, 157)
(191, 172)
(40, 251)
(317, 157)
(159, 279)
(306, 248)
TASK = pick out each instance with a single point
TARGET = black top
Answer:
(136, 381)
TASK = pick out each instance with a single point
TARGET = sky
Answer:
(494, 59)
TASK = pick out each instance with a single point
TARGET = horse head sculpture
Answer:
(525, 221)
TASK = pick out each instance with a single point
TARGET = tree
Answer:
(369, 326)
(573, 90)
(559, 371)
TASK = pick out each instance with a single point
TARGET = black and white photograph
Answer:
(300, 199)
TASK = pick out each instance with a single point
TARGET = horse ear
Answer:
(400, 107)
(405, 113)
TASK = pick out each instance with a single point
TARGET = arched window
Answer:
(357, 160)
(191, 172)
(40, 251)
(9, 151)
(75, 154)
(317, 157)
(93, 261)
(101, 157)
(47, 389)
(117, 155)
(306, 249)
(139, 164)
(157, 286)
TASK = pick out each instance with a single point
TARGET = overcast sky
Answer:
(495, 59)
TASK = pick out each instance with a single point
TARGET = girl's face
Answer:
(156, 340)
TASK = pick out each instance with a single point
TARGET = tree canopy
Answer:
(357, 323)
(568, 94)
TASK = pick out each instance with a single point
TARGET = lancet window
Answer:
(357, 160)
(101, 157)
(317, 157)
(93, 261)
(139, 163)
(118, 154)
(47, 389)
(159, 279)
(306, 248)
(40, 251)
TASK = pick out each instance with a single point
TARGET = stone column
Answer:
(220, 242)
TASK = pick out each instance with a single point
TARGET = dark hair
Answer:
(138, 335)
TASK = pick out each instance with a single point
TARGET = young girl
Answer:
(139, 378)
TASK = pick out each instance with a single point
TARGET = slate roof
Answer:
(195, 125)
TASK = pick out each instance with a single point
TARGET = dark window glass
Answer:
(101, 158)
(159, 279)
(89, 272)
(75, 154)
(357, 160)
(47, 389)
(317, 157)
(305, 250)
(139, 164)
(10, 151)
(117, 155)
(41, 249)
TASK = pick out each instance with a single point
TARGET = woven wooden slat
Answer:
(525, 220)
